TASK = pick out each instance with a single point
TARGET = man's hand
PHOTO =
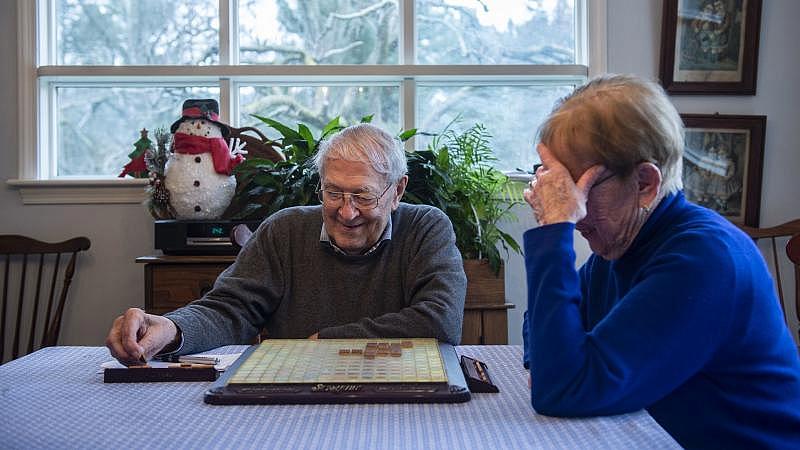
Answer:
(314, 336)
(553, 195)
(135, 336)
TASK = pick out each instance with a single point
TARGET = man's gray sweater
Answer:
(287, 281)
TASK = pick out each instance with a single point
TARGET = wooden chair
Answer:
(42, 311)
(793, 252)
(787, 231)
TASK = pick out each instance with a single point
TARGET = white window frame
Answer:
(36, 186)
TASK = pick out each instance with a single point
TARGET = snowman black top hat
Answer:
(201, 108)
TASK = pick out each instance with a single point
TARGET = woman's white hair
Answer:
(620, 121)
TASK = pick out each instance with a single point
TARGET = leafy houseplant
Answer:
(455, 174)
(264, 186)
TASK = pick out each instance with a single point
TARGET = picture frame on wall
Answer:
(722, 164)
(710, 46)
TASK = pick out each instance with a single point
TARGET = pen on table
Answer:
(208, 360)
(190, 366)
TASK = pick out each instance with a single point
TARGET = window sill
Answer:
(82, 191)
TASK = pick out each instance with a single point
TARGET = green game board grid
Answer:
(293, 361)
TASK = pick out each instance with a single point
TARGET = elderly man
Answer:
(361, 264)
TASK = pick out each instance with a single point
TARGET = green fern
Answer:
(455, 173)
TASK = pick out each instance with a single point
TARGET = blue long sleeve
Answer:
(685, 324)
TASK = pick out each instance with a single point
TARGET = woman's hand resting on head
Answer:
(553, 195)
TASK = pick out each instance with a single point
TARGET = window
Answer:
(98, 71)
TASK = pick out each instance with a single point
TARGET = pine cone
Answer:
(160, 194)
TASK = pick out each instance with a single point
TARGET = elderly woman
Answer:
(675, 310)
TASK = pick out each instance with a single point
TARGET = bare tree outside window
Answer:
(495, 32)
(318, 32)
(97, 120)
(137, 32)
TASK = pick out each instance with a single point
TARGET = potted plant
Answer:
(265, 186)
(455, 174)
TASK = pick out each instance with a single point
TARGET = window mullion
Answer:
(48, 134)
(228, 56)
(408, 108)
(581, 37)
(46, 20)
(594, 35)
(226, 36)
(227, 107)
(27, 84)
(407, 32)
(408, 91)
(365, 71)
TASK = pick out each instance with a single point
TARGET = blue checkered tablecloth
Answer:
(56, 398)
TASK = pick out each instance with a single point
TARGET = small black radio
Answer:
(198, 237)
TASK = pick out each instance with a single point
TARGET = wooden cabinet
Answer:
(486, 324)
(173, 281)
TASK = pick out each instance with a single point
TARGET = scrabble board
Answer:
(342, 371)
(343, 361)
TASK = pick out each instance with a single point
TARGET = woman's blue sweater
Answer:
(685, 324)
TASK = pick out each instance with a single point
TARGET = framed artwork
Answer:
(722, 164)
(710, 46)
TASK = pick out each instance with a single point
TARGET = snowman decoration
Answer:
(198, 172)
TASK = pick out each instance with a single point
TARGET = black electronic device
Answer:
(198, 237)
(477, 375)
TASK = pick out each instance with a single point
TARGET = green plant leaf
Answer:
(408, 134)
(306, 133)
(308, 137)
(510, 241)
(455, 174)
(248, 211)
(285, 131)
(332, 127)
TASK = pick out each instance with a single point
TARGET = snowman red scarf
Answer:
(224, 162)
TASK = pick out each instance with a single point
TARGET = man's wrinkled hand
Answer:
(136, 336)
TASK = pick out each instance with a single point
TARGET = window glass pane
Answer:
(318, 32)
(316, 105)
(97, 125)
(495, 32)
(511, 114)
(137, 32)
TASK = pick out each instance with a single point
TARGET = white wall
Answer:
(109, 281)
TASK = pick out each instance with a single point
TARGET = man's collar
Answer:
(325, 239)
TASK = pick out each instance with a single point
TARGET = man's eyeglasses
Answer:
(361, 201)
